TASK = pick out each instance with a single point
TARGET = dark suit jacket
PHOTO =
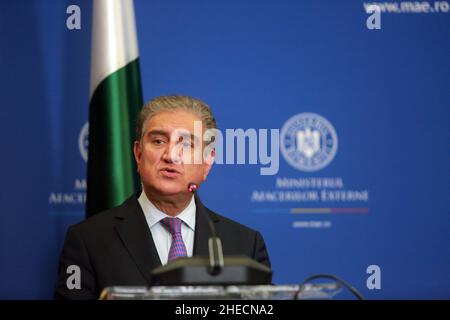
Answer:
(116, 247)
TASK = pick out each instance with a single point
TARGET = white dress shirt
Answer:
(161, 236)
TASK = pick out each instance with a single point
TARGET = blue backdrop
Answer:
(257, 63)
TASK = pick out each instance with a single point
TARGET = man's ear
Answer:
(208, 163)
(137, 152)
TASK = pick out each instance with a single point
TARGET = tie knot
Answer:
(173, 225)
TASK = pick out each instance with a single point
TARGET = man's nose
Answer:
(173, 154)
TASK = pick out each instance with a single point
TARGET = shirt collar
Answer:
(153, 215)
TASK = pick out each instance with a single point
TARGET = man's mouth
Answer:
(170, 172)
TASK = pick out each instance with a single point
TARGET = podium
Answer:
(324, 291)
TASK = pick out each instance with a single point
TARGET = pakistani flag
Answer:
(115, 101)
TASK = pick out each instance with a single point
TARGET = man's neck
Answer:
(170, 205)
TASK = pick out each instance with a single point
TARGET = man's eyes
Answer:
(186, 143)
(158, 141)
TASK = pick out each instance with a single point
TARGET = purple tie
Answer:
(177, 249)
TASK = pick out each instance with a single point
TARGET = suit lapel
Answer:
(202, 232)
(133, 230)
(137, 238)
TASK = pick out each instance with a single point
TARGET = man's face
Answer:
(165, 155)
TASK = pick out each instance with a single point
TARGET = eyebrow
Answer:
(158, 132)
(167, 134)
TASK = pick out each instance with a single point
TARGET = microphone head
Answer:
(192, 187)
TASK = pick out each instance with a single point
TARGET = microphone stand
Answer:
(214, 243)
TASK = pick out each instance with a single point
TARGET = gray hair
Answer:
(172, 103)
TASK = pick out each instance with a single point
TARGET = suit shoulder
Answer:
(102, 220)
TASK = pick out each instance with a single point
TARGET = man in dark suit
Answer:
(121, 246)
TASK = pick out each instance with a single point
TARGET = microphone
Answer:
(215, 249)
